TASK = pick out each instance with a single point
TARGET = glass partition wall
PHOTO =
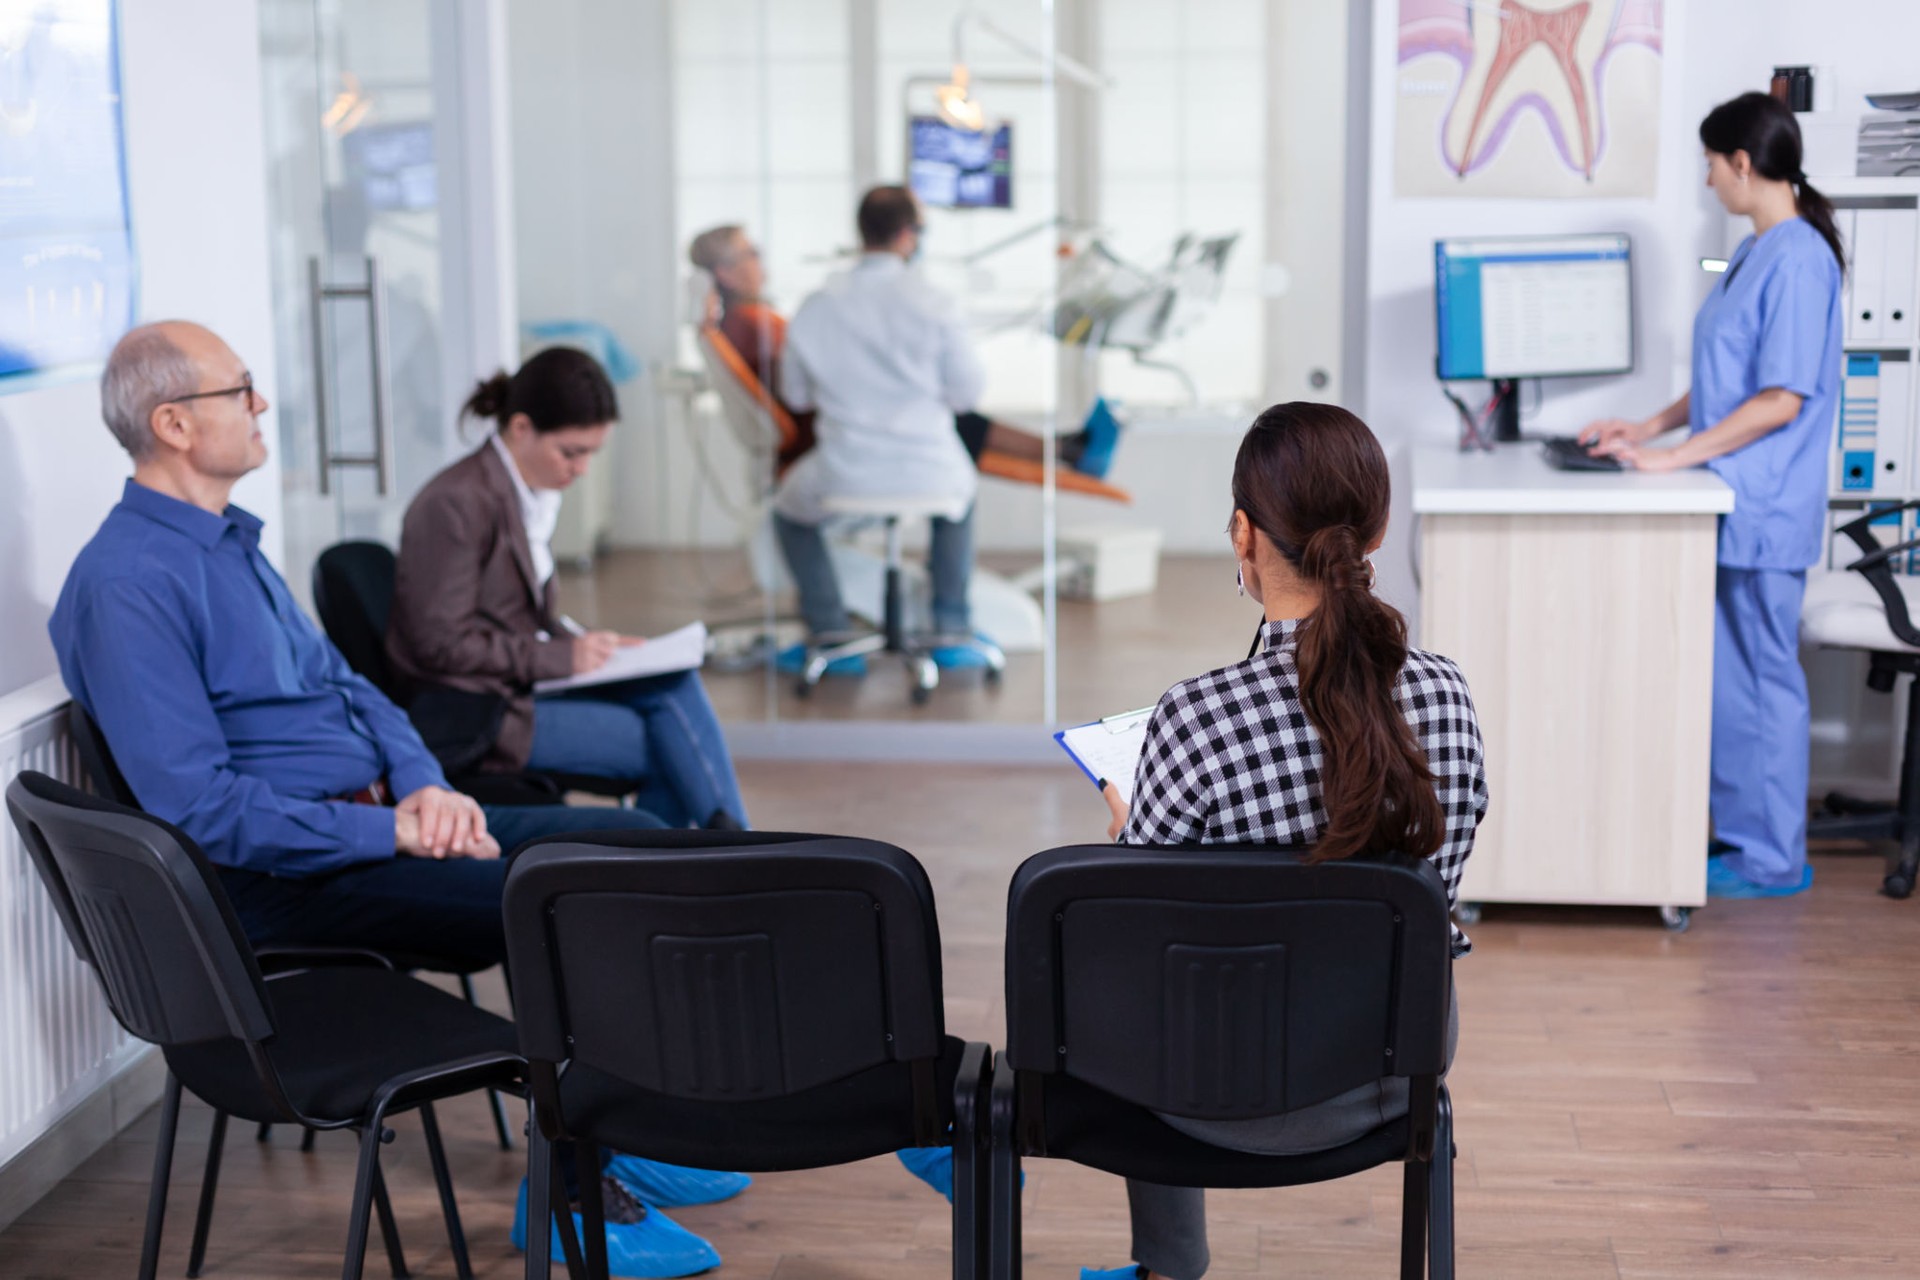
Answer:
(1099, 202)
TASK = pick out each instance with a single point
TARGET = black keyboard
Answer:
(1564, 453)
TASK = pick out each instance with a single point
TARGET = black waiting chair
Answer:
(1222, 983)
(1866, 608)
(353, 594)
(330, 1046)
(736, 1000)
(96, 760)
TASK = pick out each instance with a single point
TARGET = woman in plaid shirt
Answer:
(1332, 733)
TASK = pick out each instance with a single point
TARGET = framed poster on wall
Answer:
(66, 240)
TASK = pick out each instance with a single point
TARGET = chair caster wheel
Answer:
(1897, 885)
(802, 690)
(1676, 918)
(921, 695)
(1467, 913)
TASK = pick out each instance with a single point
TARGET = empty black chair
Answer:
(736, 1000)
(1222, 983)
(326, 1047)
(96, 758)
(353, 594)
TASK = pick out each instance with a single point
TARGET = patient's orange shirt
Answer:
(759, 334)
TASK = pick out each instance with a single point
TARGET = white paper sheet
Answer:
(682, 650)
(1109, 748)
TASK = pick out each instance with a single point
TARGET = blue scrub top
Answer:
(1773, 320)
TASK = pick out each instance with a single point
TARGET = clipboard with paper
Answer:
(1109, 748)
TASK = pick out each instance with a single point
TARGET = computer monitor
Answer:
(1533, 306)
(954, 168)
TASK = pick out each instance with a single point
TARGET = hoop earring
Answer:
(1240, 581)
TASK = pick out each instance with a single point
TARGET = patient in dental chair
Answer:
(759, 334)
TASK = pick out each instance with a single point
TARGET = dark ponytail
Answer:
(1764, 128)
(558, 387)
(1313, 480)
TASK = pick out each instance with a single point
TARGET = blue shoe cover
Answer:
(960, 657)
(669, 1186)
(932, 1165)
(1724, 882)
(655, 1248)
(790, 660)
(1112, 1273)
(1103, 434)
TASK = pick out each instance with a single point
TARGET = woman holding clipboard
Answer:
(1332, 733)
(473, 605)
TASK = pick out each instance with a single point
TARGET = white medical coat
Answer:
(884, 358)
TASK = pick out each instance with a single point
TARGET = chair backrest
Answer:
(723, 966)
(761, 422)
(143, 909)
(353, 594)
(96, 758)
(1224, 982)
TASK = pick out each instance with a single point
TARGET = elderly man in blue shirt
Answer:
(235, 719)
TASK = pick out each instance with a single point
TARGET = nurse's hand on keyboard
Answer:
(1614, 435)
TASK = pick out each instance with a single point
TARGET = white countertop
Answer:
(1515, 480)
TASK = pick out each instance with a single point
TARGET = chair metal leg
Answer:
(569, 1242)
(263, 1133)
(1004, 1157)
(437, 1156)
(1440, 1222)
(1413, 1221)
(539, 1192)
(355, 1262)
(389, 1229)
(972, 1169)
(593, 1212)
(209, 1182)
(493, 1098)
(306, 1140)
(162, 1174)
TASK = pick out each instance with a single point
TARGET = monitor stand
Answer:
(1506, 414)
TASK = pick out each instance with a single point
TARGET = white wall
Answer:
(191, 86)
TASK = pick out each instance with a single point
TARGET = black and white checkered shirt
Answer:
(1231, 757)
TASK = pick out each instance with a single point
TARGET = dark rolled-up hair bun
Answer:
(489, 398)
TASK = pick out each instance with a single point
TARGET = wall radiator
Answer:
(58, 1042)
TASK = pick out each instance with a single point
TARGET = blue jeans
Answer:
(428, 906)
(662, 728)
(949, 562)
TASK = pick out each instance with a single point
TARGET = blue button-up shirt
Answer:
(1773, 320)
(228, 711)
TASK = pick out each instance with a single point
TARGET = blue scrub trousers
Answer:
(662, 727)
(1761, 722)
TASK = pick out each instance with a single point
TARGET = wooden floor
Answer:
(1113, 656)
(1736, 1101)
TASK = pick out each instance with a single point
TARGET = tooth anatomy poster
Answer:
(1528, 98)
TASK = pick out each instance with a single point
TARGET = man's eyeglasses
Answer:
(244, 391)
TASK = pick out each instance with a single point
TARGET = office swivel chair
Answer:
(736, 1000)
(1222, 983)
(1872, 608)
(330, 1041)
(353, 594)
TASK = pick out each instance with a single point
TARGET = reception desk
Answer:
(1580, 607)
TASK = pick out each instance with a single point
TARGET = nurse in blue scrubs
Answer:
(1766, 382)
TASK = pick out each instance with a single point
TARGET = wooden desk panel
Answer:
(1588, 643)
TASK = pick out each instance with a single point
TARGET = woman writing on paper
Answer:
(473, 605)
(1332, 733)
(1760, 412)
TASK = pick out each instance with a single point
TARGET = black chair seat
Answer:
(1092, 1127)
(335, 1045)
(867, 1114)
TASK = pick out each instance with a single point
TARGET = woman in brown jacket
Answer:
(473, 605)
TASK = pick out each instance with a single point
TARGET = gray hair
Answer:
(147, 369)
(714, 247)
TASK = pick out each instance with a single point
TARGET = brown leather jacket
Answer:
(466, 610)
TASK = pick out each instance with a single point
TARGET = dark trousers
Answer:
(440, 907)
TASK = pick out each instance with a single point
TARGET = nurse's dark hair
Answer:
(1313, 481)
(558, 387)
(1764, 128)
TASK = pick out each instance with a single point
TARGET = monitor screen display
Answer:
(395, 165)
(1534, 306)
(953, 168)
